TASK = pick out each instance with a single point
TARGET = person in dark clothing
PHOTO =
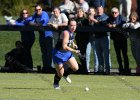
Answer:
(96, 3)
(15, 60)
(102, 43)
(82, 39)
(119, 40)
(134, 38)
(27, 37)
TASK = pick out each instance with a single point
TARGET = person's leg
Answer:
(138, 56)
(124, 53)
(27, 53)
(43, 48)
(96, 63)
(120, 6)
(58, 75)
(128, 9)
(105, 46)
(133, 48)
(103, 3)
(99, 52)
(49, 48)
(118, 55)
(125, 57)
(109, 50)
(88, 53)
(73, 66)
(123, 8)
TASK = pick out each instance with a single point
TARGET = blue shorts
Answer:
(61, 57)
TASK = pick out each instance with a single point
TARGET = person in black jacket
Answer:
(116, 21)
(82, 38)
(96, 3)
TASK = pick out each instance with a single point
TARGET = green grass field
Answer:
(33, 86)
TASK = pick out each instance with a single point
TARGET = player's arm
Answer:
(65, 41)
(74, 45)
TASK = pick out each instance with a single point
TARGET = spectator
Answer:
(57, 20)
(83, 4)
(97, 3)
(91, 43)
(41, 18)
(62, 54)
(125, 8)
(134, 39)
(115, 21)
(15, 60)
(67, 7)
(27, 37)
(102, 43)
(82, 38)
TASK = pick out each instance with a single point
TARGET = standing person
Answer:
(57, 20)
(27, 37)
(82, 38)
(119, 40)
(102, 43)
(83, 4)
(125, 8)
(62, 54)
(91, 43)
(67, 7)
(41, 18)
(97, 3)
(134, 39)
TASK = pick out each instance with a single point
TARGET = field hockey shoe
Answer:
(67, 79)
(56, 86)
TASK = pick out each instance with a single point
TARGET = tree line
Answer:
(13, 7)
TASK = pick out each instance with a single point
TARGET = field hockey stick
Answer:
(81, 56)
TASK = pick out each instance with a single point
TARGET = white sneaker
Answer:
(67, 79)
(56, 86)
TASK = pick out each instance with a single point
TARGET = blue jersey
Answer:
(61, 56)
(43, 20)
(60, 40)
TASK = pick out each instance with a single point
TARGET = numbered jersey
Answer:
(60, 40)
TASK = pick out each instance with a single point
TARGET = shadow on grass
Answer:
(26, 88)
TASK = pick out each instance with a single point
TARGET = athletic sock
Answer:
(56, 79)
(68, 72)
